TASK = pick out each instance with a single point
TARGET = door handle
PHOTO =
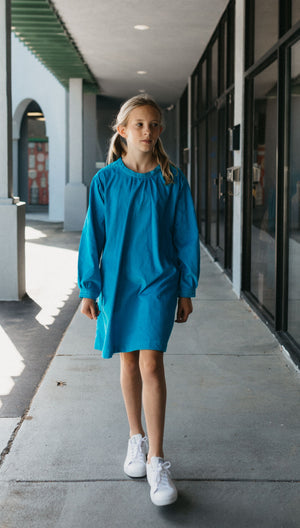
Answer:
(220, 180)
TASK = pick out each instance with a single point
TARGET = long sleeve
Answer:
(186, 241)
(92, 243)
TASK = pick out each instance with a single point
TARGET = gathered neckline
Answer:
(138, 174)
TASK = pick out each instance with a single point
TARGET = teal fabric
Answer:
(139, 251)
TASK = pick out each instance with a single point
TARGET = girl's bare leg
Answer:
(154, 398)
(131, 384)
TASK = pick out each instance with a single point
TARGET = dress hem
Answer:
(132, 349)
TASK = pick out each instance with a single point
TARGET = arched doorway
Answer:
(33, 160)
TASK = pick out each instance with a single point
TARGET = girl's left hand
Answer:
(184, 309)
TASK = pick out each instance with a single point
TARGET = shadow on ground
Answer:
(51, 256)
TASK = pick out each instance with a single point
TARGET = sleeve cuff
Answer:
(88, 294)
(187, 293)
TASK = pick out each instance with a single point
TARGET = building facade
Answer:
(242, 105)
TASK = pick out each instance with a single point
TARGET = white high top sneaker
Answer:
(163, 490)
(135, 462)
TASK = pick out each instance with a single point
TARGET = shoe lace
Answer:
(136, 450)
(163, 474)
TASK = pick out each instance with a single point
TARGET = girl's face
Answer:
(143, 129)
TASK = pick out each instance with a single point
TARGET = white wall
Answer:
(32, 81)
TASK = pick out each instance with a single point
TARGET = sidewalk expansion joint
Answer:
(84, 356)
(194, 299)
(243, 355)
(81, 481)
(7, 449)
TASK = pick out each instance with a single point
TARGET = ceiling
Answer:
(103, 31)
(96, 40)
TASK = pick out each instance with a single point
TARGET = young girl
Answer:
(138, 255)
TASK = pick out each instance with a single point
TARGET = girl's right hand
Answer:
(89, 307)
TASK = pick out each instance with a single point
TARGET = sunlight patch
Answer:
(33, 234)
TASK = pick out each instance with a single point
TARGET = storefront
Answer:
(270, 162)
(212, 94)
(271, 253)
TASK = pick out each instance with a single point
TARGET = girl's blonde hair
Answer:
(117, 146)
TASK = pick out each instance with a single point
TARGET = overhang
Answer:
(38, 25)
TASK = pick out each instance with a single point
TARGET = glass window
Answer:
(213, 175)
(194, 167)
(230, 42)
(294, 197)
(202, 178)
(229, 185)
(266, 26)
(202, 88)
(222, 173)
(183, 138)
(223, 57)
(214, 71)
(195, 96)
(295, 11)
(264, 187)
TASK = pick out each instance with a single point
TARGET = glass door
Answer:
(221, 181)
(293, 315)
(224, 188)
(228, 188)
(201, 187)
(262, 169)
(213, 185)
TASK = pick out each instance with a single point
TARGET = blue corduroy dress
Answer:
(139, 252)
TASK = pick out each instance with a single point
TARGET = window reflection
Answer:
(295, 11)
(202, 178)
(294, 197)
(214, 71)
(222, 174)
(213, 174)
(264, 188)
(195, 96)
(202, 96)
(223, 59)
(194, 171)
(266, 26)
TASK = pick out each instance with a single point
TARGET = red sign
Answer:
(38, 193)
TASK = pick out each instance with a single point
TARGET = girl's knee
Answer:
(151, 365)
(130, 362)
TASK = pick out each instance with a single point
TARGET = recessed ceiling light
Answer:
(35, 114)
(141, 27)
(142, 91)
(141, 72)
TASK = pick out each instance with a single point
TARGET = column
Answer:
(89, 137)
(238, 155)
(75, 191)
(12, 212)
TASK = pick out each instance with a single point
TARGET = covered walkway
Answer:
(232, 430)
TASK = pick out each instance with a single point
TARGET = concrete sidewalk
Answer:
(232, 430)
(31, 329)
